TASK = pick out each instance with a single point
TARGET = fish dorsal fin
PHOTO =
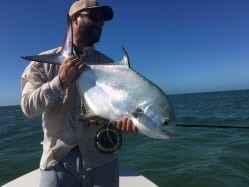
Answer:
(125, 61)
(67, 47)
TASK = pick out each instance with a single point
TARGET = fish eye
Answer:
(137, 112)
(165, 121)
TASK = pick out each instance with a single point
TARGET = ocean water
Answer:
(193, 157)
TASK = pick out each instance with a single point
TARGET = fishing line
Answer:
(108, 133)
(213, 126)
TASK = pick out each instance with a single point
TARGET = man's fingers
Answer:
(71, 60)
(119, 124)
(134, 129)
(70, 70)
(129, 125)
(125, 125)
(82, 67)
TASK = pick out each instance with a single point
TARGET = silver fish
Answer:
(113, 91)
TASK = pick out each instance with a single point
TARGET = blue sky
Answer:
(181, 45)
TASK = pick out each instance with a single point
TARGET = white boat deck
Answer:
(127, 178)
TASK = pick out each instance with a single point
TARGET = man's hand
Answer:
(70, 70)
(125, 125)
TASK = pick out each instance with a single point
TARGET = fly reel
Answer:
(108, 139)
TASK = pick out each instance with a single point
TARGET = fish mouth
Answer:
(167, 133)
(164, 134)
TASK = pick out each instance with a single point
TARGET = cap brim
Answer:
(106, 11)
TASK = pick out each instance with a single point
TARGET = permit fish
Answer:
(113, 91)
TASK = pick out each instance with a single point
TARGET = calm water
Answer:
(194, 157)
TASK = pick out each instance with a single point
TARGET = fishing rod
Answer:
(213, 126)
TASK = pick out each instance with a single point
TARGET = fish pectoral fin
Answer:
(45, 58)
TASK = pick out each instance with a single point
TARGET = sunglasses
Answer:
(94, 15)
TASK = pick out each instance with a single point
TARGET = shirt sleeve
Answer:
(41, 88)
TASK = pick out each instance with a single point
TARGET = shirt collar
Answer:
(87, 51)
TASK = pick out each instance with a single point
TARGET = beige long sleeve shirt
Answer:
(60, 109)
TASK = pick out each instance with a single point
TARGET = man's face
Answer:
(90, 25)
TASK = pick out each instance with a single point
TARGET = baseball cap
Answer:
(80, 5)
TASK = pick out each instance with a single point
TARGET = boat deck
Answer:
(127, 178)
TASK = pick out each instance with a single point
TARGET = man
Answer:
(70, 157)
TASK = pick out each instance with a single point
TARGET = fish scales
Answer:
(116, 91)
